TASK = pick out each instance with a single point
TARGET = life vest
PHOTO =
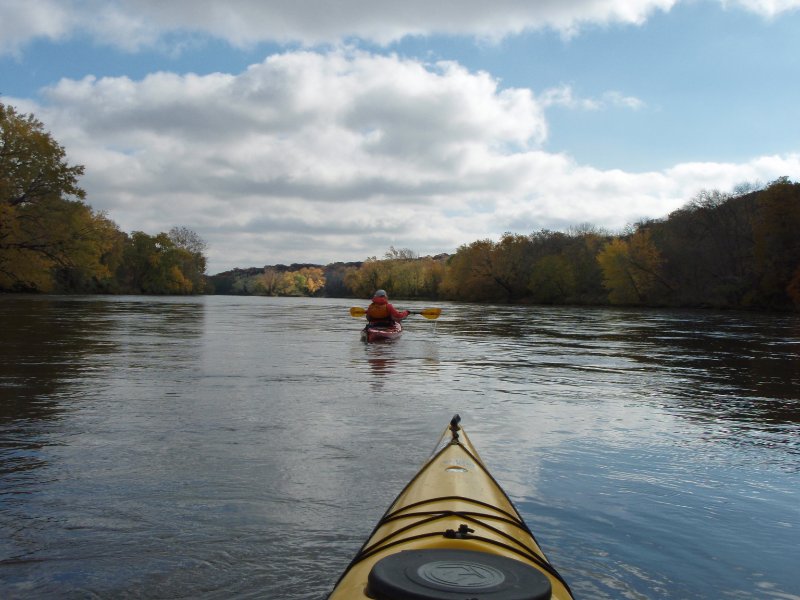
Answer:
(378, 312)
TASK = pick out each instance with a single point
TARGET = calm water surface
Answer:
(244, 447)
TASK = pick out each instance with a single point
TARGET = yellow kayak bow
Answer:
(451, 534)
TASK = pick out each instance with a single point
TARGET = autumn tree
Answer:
(44, 223)
(189, 255)
(278, 281)
(421, 278)
(511, 262)
(97, 257)
(708, 248)
(268, 282)
(585, 243)
(469, 274)
(631, 268)
(335, 276)
(401, 273)
(309, 280)
(362, 282)
(400, 254)
(155, 265)
(553, 280)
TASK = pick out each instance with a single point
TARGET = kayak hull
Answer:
(452, 512)
(377, 333)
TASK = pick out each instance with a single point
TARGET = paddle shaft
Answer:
(428, 313)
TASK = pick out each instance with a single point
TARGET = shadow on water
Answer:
(740, 367)
(52, 345)
(44, 342)
(49, 342)
(722, 365)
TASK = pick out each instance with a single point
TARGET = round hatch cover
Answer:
(455, 575)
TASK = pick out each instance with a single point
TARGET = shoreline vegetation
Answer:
(729, 251)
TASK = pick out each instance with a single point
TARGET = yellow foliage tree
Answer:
(314, 279)
(371, 276)
(469, 273)
(177, 283)
(631, 268)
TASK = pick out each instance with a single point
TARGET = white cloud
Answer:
(767, 8)
(133, 24)
(563, 96)
(22, 21)
(615, 98)
(136, 24)
(322, 157)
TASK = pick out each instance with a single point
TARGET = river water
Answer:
(225, 447)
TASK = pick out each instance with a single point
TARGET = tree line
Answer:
(305, 280)
(400, 270)
(739, 250)
(736, 251)
(51, 240)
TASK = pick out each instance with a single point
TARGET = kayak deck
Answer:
(374, 333)
(451, 533)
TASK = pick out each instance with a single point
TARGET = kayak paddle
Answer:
(428, 313)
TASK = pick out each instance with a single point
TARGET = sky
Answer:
(318, 131)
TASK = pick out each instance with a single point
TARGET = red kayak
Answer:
(378, 332)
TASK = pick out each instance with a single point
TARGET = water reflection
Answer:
(417, 350)
(380, 367)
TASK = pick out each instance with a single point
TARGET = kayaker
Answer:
(381, 311)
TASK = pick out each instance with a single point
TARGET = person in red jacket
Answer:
(380, 312)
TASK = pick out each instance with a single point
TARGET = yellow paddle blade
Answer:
(357, 311)
(428, 313)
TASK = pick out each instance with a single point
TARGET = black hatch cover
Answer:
(445, 574)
